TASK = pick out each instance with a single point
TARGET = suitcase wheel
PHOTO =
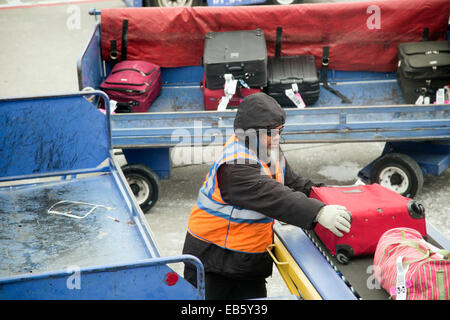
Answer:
(416, 210)
(343, 253)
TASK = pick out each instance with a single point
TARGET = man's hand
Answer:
(335, 218)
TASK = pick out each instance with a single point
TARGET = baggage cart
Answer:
(377, 113)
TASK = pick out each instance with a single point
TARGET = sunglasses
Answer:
(274, 131)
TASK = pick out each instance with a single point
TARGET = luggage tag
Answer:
(402, 285)
(112, 106)
(295, 96)
(420, 100)
(229, 90)
(440, 96)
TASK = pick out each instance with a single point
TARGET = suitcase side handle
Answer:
(235, 68)
(291, 80)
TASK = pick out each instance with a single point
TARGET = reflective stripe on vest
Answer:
(232, 227)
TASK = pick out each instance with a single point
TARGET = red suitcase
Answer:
(375, 209)
(212, 98)
(137, 83)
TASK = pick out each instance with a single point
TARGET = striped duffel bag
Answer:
(409, 268)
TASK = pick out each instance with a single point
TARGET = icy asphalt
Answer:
(38, 53)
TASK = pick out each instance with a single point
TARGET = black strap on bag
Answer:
(113, 54)
(122, 107)
(278, 42)
(425, 34)
(325, 63)
(124, 40)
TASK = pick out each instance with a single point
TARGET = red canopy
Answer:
(361, 35)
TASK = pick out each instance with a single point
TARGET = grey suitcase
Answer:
(423, 67)
(242, 53)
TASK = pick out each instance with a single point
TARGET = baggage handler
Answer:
(249, 185)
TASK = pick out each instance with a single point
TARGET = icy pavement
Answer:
(333, 164)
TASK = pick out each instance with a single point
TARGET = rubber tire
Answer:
(406, 164)
(147, 176)
(154, 3)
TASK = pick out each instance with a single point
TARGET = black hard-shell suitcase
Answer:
(283, 72)
(242, 53)
(423, 67)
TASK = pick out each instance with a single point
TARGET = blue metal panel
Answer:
(322, 275)
(346, 76)
(90, 66)
(432, 157)
(334, 124)
(371, 93)
(158, 159)
(146, 279)
(182, 75)
(179, 98)
(48, 134)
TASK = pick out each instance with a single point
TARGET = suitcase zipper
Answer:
(136, 70)
(131, 84)
(129, 90)
(125, 90)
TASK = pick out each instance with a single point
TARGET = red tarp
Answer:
(361, 35)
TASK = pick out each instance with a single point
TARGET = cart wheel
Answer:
(174, 3)
(398, 172)
(343, 253)
(144, 183)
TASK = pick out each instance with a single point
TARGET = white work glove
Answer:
(335, 218)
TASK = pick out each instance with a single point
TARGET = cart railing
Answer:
(330, 124)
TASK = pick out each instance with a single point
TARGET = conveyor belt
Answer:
(331, 279)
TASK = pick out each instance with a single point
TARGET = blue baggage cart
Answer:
(71, 228)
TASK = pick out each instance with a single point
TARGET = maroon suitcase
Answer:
(133, 82)
(211, 98)
(375, 209)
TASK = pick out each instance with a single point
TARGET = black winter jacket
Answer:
(243, 185)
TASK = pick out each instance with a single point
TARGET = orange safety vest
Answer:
(228, 226)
